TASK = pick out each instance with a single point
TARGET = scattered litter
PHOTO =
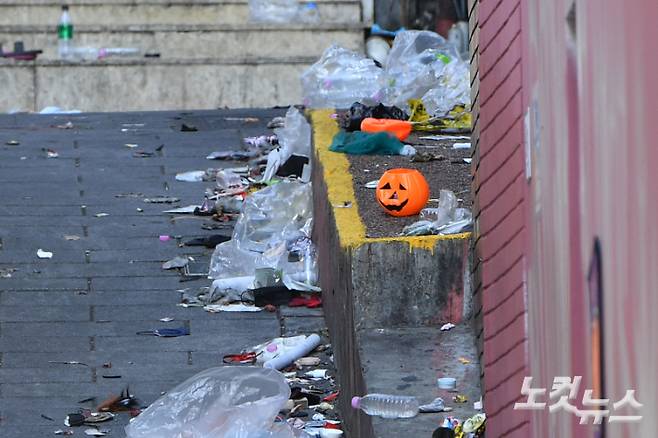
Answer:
(464, 361)
(372, 184)
(221, 401)
(111, 376)
(447, 326)
(312, 302)
(71, 237)
(101, 214)
(309, 361)
(143, 154)
(166, 332)
(175, 263)
(208, 241)
(166, 319)
(351, 119)
(161, 200)
(437, 405)
(478, 405)
(94, 432)
(107, 365)
(341, 77)
(68, 362)
(74, 420)
(50, 153)
(289, 354)
(7, 272)
(67, 125)
(64, 432)
(87, 400)
(191, 176)
(263, 141)
(345, 204)
(45, 417)
(131, 145)
(119, 403)
(461, 146)
(444, 137)
(468, 160)
(164, 238)
(447, 383)
(44, 254)
(129, 195)
(234, 155)
(185, 127)
(13, 143)
(236, 307)
(241, 358)
(140, 210)
(475, 424)
(448, 218)
(242, 119)
(425, 157)
(183, 210)
(460, 398)
(317, 374)
(277, 122)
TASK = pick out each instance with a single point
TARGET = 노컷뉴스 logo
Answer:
(593, 409)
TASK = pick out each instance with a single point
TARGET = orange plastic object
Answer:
(402, 192)
(400, 128)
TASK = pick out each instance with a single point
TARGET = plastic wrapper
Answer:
(222, 402)
(416, 60)
(340, 78)
(273, 11)
(453, 88)
(294, 139)
(445, 219)
(273, 231)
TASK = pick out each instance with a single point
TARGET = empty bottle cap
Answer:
(356, 402)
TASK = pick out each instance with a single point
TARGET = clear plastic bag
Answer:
(222, 402)
(445, 219)
(275, 224)
(294, 139)
(273, 11)
(340, 78)
(414, 64)
(454, 88)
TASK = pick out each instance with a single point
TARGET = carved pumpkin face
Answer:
(402, 192)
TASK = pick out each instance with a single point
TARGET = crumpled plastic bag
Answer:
(222, 402)
(340, 78)
(447, 218)
(414, 63)
(453, 88)
(294, 139)
(423, 65)
(275, 223)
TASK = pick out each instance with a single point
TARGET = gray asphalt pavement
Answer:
(87, 302)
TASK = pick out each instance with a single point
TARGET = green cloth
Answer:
(364, 143)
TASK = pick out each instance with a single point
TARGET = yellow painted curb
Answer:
(340, 189)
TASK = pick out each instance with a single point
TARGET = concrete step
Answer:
(189, 12)
(151, 84)
(198, 41)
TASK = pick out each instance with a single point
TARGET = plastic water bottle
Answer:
(387, 406)
(65, 34)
